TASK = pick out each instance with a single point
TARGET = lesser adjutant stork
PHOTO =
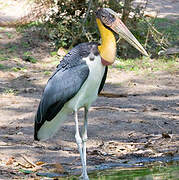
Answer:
(78, 80)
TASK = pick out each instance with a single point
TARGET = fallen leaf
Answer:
(166, 135)
(10, 161)
(39, 163)
(112, 95)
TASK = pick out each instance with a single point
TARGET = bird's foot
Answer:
(84, 176)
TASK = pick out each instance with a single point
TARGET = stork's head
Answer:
(110, 20)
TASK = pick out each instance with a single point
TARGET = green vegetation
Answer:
(3, 58)
(10, 91)
(12, 48)
(9, 35)
(169, 28)
(29, 58)
(16, 69)
(54, 53)
(25, 45)
(70, 25)
(2, 67)
(154, 34)
(47, 73)
(27, 53)
(148, 65)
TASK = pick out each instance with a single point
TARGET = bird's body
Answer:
(78, 79)
(92, 76)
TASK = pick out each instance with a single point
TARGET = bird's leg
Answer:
(79, 143)
(84, 139)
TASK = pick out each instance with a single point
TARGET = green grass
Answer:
(3, 67)
(12, 49)
(25, 44)
(54, 53)
(169, 28)
(3, 55)
(16, 69)
(148, 65)
(27, 53)
(9, 35)
(3, 58)
(10, 91)
(47, 73)
(29, 58)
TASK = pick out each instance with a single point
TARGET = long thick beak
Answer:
(119, 27)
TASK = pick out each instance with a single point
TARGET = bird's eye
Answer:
(103, 16)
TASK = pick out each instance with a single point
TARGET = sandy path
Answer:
(163, 9)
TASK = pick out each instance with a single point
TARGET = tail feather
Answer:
(49, 128)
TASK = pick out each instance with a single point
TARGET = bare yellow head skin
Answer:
(109, 22)
(107, 49)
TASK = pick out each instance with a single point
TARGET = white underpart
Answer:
(84, 98)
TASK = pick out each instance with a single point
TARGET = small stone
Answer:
(20, 133)
(3, 143)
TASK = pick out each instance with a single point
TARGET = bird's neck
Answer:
(107, 49)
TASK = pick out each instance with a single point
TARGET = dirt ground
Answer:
(141, 122)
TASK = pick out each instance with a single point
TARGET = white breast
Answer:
(89, 91)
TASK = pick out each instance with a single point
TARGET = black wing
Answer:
(70, 75)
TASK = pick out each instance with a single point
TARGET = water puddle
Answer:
(158, 168)
(170, 172)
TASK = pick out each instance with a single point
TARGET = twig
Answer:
(147, 38)
(152, 27)
(148, 33)
(24, 166)
(132, 143)
(27, 160)
(112, 95)
(128, 143)
(106, 107)
(87, 13)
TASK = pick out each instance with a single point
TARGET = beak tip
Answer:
(146, 54)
